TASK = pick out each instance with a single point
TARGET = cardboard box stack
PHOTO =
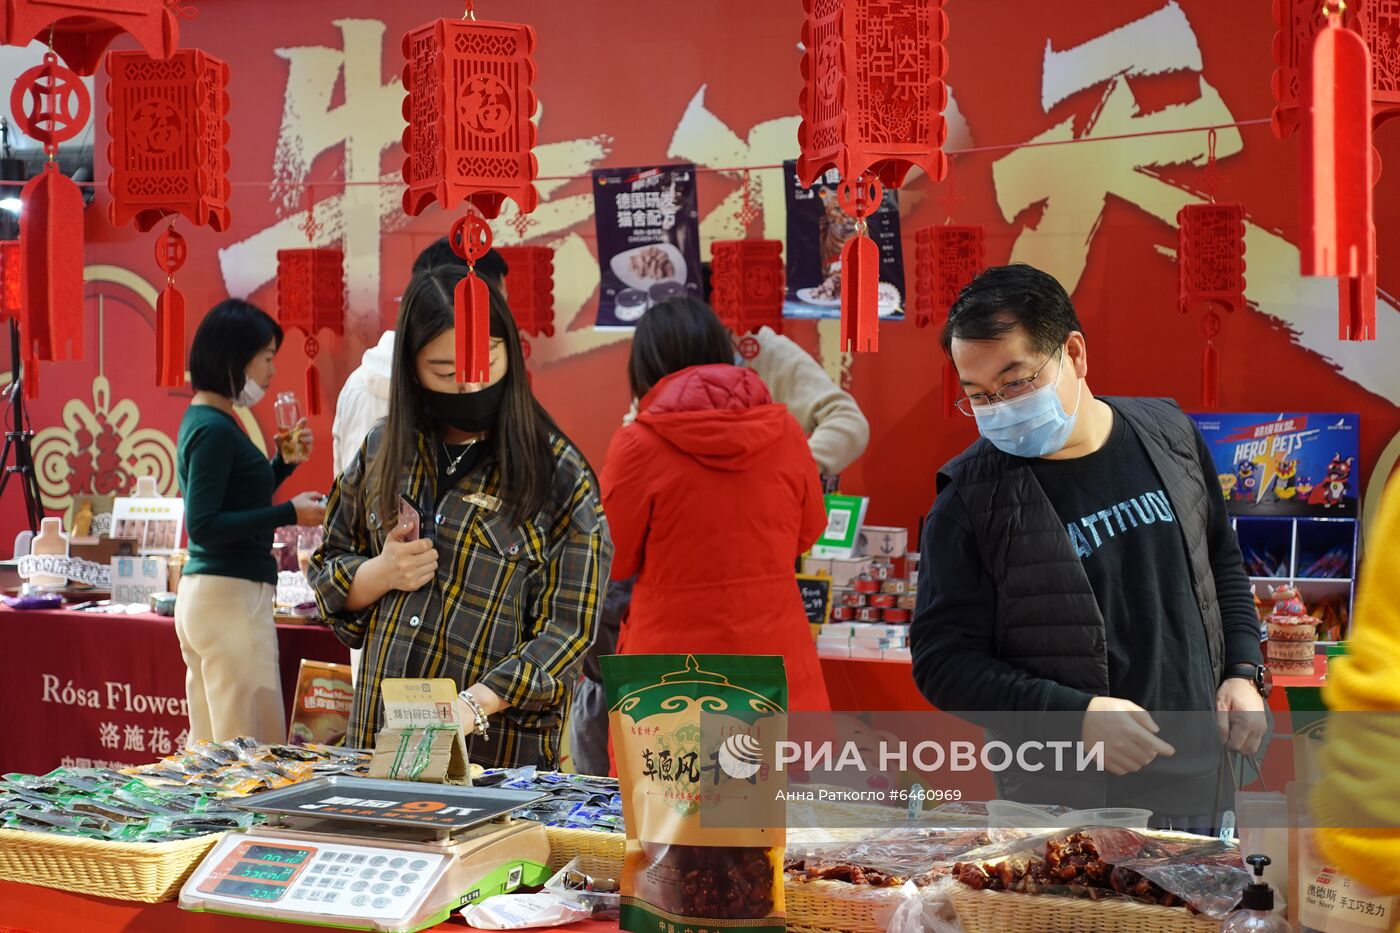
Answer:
(872, 597)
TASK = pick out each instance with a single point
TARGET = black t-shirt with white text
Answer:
(1121, 522)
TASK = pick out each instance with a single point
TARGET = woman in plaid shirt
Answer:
(502, 589)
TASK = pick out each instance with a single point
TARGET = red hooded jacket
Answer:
(711, 496)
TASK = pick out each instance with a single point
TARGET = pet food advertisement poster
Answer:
(1285, 464)
(817, 229)
(648, 225)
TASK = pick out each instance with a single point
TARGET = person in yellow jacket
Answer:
(1361, 759)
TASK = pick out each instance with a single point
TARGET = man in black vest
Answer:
(1079, 559)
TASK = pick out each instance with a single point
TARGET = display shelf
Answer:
(1315, 554)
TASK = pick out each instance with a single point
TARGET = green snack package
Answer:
(704, 813)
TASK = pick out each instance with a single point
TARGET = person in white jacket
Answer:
(364, 399)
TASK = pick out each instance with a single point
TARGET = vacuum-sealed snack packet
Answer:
(704, 812)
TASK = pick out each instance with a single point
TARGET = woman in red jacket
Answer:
(711, 495)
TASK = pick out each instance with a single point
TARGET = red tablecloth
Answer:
(83, 688)
(26, 908)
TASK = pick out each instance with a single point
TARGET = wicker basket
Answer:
(568, 844)
(127, 871)
(836, 907)
(996, 911)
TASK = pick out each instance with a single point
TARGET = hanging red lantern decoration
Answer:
(311, 298)
(747, 284)
(79, 32)
(1210, 272)
(530, 282)
(873, 93)
(468, 101)
(947, 257)
(11, 280)
(51, 104)
(168, 129)
(169, 132)
(1298, 23)
(872, 108)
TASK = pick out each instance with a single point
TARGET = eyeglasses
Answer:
(969, 404)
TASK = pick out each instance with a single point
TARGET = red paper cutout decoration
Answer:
(747, 284)
(50, 104)
(11, 280)
(947, 257)
(80, 32)
(1210, 272)
(530, 282)
(169, 136)
(873, 93)
(468, 101)
(170, 312)
(168, 129)
(872, 107)
(311, 298)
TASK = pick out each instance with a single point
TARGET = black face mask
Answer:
(473, 412)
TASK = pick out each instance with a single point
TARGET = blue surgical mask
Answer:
(1034, 425)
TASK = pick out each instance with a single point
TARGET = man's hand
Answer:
(1240, 715)
(1128, 734)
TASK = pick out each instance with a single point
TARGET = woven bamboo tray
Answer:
(836, 907)
(568, 844)
(997, 911)
(127, 871)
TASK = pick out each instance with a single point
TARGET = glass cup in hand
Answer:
(290, 426)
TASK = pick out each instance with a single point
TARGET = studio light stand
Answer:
(17, 456)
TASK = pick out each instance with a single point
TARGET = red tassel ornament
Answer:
(471, 239)
(50, 233)
(860, 268)
(170, 312)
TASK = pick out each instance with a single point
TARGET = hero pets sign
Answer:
(1285, 464)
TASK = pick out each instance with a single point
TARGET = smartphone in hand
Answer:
(411, 518)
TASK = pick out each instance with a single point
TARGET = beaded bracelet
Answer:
(482, 723)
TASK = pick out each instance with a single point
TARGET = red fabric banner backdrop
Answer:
(109, 691)
(316, 100)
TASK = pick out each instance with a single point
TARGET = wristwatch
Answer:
(1257, 674)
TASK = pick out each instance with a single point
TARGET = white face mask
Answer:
(250, 395)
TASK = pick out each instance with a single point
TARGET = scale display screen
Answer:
(276, 854)
(250, 889)
(262, 871)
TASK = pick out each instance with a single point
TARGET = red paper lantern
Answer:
(873, 92)
(468, 102)
(1210, 272)
(530, 282)
(1210, 256)
(168, 129)
(169, 136)
(11, 280)
(310, 298)
(947, 257)
(80, 32)
(747, 284)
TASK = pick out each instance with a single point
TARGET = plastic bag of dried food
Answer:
(1166, 870)
(705, 815)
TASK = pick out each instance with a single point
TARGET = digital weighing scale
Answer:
(363, 854)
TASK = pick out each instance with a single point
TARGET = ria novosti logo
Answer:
(741, 756)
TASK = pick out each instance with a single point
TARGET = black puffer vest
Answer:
(1047, 620)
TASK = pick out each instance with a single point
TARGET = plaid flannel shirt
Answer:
(513, 606)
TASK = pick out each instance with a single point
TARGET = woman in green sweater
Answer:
(224, 613)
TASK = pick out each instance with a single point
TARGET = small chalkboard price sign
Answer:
(816, 597)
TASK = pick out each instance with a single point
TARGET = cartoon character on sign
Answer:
(1332, 491)
(1286, 481)
(1246, 481)
(1227, 484)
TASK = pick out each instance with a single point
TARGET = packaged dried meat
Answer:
(704, 814)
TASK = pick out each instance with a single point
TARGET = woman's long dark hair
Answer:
(522, 437)
(675, 334)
